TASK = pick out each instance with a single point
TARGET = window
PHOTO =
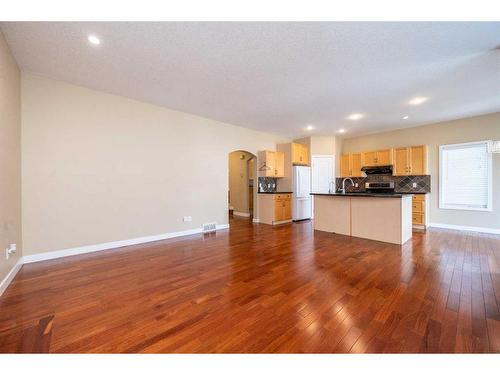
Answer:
(465, 181)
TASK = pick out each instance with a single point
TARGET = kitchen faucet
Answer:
(343, 183)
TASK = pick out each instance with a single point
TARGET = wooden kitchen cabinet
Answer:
(345, 165)
(275, 208)
(300, 154)
(374, 158)
(384, 157)
(282, 207)
(279, 164)
(410, 161)
(401, 158)
(350, 165)
(271, 164)
(418, 160)
(418, 211)
(369, 158)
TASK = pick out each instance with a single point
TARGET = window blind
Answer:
(465, 176)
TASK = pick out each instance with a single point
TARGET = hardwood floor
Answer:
(257, 288)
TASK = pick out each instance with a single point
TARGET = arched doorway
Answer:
(242, 184)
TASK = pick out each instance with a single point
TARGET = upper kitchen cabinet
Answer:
(350, 165)
(271, 164)
(279, 158)
(373, 158)
(418, 160)
(300, 154)
(410, 160)
(384, 157)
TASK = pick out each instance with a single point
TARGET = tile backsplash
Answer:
(403, 184)
(267, 184)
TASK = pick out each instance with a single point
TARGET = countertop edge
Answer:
(274, 192)
(364, 195)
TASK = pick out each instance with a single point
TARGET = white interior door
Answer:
(323, 173)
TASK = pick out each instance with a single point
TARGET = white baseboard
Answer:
(255, 220)
(10, 276)
(244, 214)
(112, 245)
(282, 222)
(465, 228)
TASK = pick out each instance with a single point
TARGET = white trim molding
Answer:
(10, 276)
(465, 228)
(244, 214)
(256, 221)
(112, 245)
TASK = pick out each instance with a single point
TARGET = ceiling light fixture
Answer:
(93, 40)
(418, 100)
(405, 118)
(342, 131)
(355, 116)
(310, 127)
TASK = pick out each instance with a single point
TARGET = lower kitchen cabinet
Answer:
(275, 208)
(418, 211)
(282, 207)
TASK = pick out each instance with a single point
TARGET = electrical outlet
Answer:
(414, 185)
(187, 219)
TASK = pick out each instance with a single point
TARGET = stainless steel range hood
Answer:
(379, 169)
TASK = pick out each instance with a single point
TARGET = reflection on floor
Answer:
(257, 288)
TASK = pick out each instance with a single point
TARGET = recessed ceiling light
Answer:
(355, 116)
(93, 40)
(342, 130)
(405, 118)
(310, 127)
(418, 100)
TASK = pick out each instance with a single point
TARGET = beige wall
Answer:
(100, 168)
(322, 145)
(458, 131)
(10, 158)
(319, 145)
(238, 180)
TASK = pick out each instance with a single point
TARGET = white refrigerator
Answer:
(301, 198)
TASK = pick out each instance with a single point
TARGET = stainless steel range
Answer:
(380, 187)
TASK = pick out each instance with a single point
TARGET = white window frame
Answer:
(489, 206)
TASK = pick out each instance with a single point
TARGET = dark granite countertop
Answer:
(275, 192)
(392, 195)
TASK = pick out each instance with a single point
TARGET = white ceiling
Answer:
(278, 77)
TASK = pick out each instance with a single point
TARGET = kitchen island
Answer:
(380, 217)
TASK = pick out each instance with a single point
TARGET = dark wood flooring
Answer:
(261, 289)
